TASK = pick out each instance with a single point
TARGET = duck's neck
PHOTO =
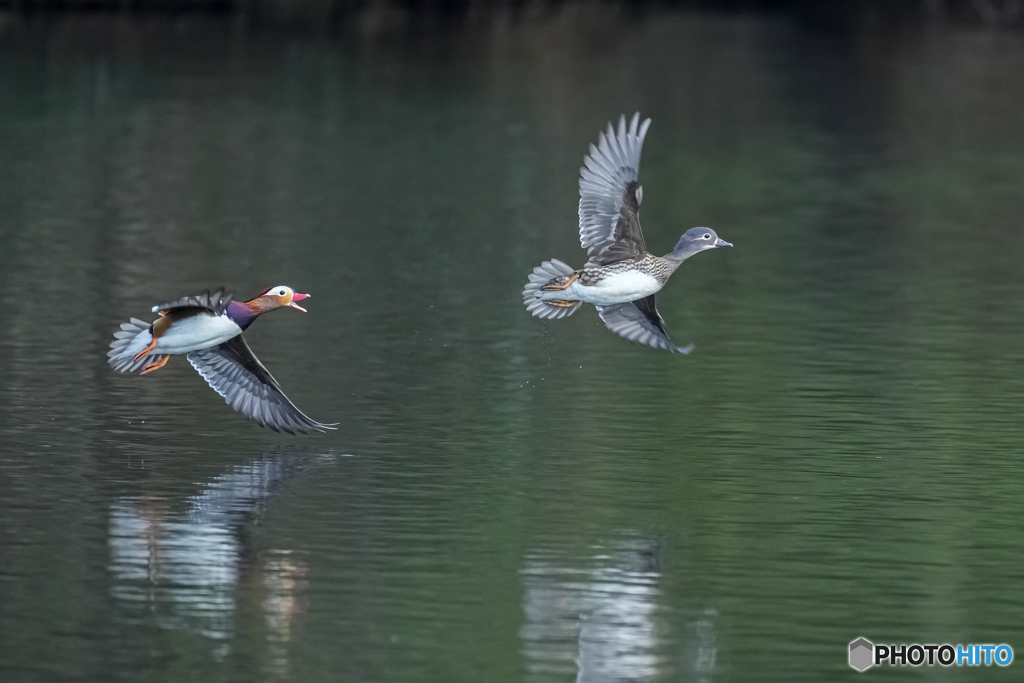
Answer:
(676, 257)
(243, 313)
(679, 254)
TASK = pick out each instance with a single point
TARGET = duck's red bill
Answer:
(298, 297)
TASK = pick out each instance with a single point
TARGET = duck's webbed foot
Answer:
(156, 365)
(559, 283)
(146, 351)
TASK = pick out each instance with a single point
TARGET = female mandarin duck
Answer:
(621, 277)
(208, 328)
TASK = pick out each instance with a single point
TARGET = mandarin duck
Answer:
(620, 276)
(208, 329)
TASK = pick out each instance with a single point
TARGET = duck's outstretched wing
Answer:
(235, 373)
(216, 302)
(640, 321)
(610, 196)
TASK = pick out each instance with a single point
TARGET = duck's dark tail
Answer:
(549, 276)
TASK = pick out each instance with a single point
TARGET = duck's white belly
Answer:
(197, 332)
(616, 288)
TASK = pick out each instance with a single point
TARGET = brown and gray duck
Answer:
(620, 277)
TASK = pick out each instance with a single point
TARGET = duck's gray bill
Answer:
(722, 243)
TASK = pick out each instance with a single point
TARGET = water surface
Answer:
(508, 499)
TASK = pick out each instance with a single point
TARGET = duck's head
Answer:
(698, 239)
(277, 297)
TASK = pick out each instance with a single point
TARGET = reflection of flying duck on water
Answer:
(185, 569)
(601, 621)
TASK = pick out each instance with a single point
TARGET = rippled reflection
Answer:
(190, 568)
(601, 621)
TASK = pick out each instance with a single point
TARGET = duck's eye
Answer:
(281, 293)
(707, 236)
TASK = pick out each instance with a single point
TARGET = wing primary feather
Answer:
(236, 374)
(609, 225)
(640, 322)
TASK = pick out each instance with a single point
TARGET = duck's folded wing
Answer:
(640, 321)
(216, 302)
(235, 373)
(610, 196)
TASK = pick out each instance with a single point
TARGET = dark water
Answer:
(508, 499)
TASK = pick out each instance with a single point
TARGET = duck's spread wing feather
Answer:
(235, 373)
(639, 321)
(610, 196)
(217, 302)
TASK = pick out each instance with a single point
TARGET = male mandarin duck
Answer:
(620, 277)
(208, 328)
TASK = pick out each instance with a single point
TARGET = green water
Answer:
(508, 499)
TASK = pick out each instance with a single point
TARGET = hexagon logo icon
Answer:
(862, 653)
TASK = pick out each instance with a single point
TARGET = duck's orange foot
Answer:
(156, 365)
(146, 351)
(560, 283)
(564, 303)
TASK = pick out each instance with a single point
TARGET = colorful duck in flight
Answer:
(208, 329)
